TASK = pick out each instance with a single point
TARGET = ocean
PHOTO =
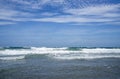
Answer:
(59, 63)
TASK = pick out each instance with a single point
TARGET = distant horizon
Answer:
(58, 47)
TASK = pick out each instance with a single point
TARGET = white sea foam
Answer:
(35, 51)
(12, 58)
(101, 50)
(61, 53)
(90, 57)
(85, 56)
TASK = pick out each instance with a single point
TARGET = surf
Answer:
(15, 53)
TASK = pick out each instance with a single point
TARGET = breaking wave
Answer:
(14, 53)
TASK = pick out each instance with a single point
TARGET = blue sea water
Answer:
(59, 63)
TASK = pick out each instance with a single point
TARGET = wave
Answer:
(12, 58)
(59, 53)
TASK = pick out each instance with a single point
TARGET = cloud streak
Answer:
(6, 23)
(94, 10)
(68, 13)
(74, 19)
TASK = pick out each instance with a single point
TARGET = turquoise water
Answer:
(59, 63)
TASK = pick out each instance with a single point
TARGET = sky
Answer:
(60, 23)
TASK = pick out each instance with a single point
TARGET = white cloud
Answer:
(37, 4)
(22, 2)
(48, 14)
(10, 13)
(86, 14)
(67, 19)
(94, 10)
(111, 15)
(13, 15)
(6, 23)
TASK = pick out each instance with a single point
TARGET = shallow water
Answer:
(66, 65)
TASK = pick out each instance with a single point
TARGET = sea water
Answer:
(59, 63)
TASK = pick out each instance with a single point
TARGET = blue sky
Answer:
(60, 23)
